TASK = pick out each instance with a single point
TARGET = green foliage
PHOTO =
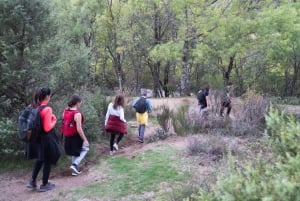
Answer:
(181, 121)
(94, 108)
(273, 178)
(164, 117)
(10, 144)
(284, 134)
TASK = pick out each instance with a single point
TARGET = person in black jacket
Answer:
(48, 151)
(204, 100)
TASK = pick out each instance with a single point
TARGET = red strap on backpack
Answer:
(68, 127)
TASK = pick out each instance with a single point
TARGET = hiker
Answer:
(77, 144)
(226, 99)
(115, 122)
(142, 106)
(48, 152)
(204, 100)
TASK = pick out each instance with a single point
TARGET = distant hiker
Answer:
(226, 99)
(204, 100)
(115, 122)
(76, 143)
(142, 106)
(48, 151)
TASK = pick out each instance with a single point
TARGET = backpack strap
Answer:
(41, 107)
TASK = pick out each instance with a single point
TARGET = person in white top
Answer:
(115, 122)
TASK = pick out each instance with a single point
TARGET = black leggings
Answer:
(112, 139)
(46, 170)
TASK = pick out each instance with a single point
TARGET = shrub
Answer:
(248, 116)
(284, 133)
(181, 122)
(10, 144)
(95, 110)
(164, 117)
(273, 179)
(211, 145)
(159, 135)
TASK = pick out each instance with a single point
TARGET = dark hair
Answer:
(119, 101)
(206, 88)
(40, 94)
(74, 100)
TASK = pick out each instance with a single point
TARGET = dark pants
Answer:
(225, 104)
(112, 139)
(46, 170)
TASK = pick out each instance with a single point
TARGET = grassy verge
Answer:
(138, 178)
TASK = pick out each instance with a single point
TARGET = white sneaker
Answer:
(111, 153)
(116, 147)
(74, 173)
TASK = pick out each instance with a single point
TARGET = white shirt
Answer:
(117, 112)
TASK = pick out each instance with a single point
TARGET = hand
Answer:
(86, 143)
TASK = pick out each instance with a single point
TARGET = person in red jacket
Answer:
(48, 151)
(115, 122)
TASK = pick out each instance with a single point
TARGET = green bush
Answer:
(284, 133)
(95, 110)
(181, 122)
(273, 179)
(10, 144)
(164, 117)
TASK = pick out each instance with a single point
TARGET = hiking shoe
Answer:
(74, 173)
(116, 147)
(47, 187)
(31, 184)
(141, 141)
(75, 168)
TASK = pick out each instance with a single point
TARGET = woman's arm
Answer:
(107, 113)
(78, 120)
(122, 117)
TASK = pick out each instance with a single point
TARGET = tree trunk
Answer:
(185, 70)
(294, 78)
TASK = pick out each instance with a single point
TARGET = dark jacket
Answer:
(46, 148)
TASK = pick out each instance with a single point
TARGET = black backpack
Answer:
(141, 105)
(201, 97)
(29, 124)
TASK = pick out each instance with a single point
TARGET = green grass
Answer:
(133, 177)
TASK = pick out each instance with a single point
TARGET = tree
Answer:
(24, 28)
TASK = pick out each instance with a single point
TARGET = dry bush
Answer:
(160, 134)
(250, 115)
(247, 116)
(211, 145)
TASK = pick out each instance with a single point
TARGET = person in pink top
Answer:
(48, 151)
